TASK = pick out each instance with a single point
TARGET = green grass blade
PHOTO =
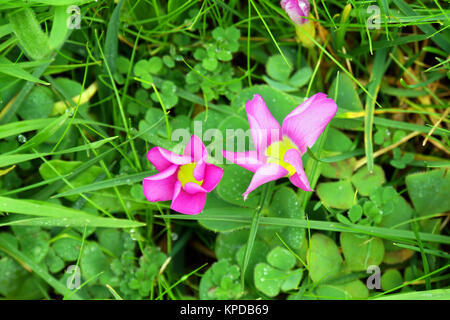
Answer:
(379, 67)
(60, 215)
(436, 294)
(115, 182)
(381, 232)
(14, 70)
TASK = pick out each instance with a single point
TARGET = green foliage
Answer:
(360, 252)
(391, 279)
(38, 104)
(324, 259)
(221, 282)
(352, 290)
(429, 191)
(336, 194)
(280, 74)
(366, 182)
(80, 108)
(235, 181)
(399, 161)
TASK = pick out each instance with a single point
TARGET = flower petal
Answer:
(186, 203)
(199, 170)
(196, 149)
(247, 160)
(266, 173)
(193, 188)
(299, 179)
(198, 153)
(159, 187)
(306, 122)
(264, 127)
(297, 10)
(163, 159)
(213, 175)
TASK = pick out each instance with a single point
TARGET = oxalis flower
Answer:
(297, 10)
(279, 150)
(184, 179)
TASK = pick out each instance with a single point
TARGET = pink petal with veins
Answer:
(306, 122)
(159, 187)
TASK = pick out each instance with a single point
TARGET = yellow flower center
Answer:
(186, 174)
(276, 151)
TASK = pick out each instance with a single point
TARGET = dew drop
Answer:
(21, 139)
(133, 234)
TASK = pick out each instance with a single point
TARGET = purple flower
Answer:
(297, 10)
(184, 179)
(279, 150)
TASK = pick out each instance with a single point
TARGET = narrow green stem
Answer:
(253, 230)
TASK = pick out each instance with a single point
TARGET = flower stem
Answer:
(253, 230)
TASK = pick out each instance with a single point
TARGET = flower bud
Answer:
(297, 10)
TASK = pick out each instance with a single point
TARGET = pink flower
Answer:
(184, 179)
(279, 150)
(297, 10)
